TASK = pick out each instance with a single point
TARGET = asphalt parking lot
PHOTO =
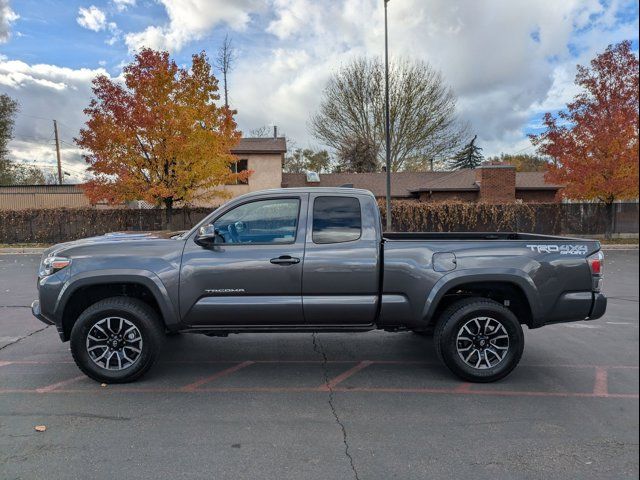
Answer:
(328, 406)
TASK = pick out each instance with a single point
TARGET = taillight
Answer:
(596, 263)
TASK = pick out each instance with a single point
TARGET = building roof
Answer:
(401, 186)
(260, 145)
(534, 181)
(407, 184)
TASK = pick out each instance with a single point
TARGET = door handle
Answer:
(285, 260)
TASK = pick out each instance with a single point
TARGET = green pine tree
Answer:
(469, 157)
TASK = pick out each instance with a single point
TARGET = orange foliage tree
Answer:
(593, 144)
(160, 136)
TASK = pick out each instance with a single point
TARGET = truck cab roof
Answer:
(298, 190)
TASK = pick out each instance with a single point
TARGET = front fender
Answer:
(100, 277)
(460, 277)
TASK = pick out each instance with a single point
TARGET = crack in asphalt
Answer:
(317, 347)
(92, 416)
(24, 336)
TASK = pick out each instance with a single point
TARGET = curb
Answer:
(631, 246)
(22, 251)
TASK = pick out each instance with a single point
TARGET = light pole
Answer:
(387, 128)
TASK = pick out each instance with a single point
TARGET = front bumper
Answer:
(35, 310)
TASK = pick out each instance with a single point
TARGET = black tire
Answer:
(451, 323)
(136, 313)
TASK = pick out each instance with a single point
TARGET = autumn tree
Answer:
(160, 136)
(424, 123)
(469, 157)
(594, 142)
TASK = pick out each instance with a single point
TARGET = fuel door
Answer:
(444, 261)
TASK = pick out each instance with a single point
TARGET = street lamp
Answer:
(387, 128)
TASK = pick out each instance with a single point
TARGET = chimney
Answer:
(275, 131)
(497, 183)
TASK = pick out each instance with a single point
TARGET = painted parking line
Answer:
(600, 385)
(430, 391)
(331, 384)
(228, 371)
(57, 385)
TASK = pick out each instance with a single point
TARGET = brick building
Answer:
(489, 183)
(264, 156)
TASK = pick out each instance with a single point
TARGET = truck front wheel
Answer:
(479, 340)
(116, 340)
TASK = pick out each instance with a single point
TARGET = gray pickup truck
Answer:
(313, 260)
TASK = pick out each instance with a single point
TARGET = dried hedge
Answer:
(53, 226)
(408, 216)
(61, 225)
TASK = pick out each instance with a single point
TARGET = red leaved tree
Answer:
(594, 143)
(160, 137)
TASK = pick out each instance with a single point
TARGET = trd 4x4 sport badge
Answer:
(561, 249)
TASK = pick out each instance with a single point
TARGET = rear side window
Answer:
(336, 219)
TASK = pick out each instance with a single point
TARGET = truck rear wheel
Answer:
(116, 340)
(479, 340)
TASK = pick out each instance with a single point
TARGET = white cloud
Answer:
(7, 17)
(486, 50)
(503, 73)
(122, 5)
(191, 20)
(45, 92)
(92, 18)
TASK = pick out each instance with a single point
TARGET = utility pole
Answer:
(386, 123)
(55, 131)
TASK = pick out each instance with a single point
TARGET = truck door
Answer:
(340, 274)
(252, 276)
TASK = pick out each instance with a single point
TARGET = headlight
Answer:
(51, 265)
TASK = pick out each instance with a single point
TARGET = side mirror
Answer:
(208, 236)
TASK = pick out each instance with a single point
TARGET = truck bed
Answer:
(471, 236)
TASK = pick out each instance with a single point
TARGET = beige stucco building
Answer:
(263, 156)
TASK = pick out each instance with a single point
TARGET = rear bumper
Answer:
(598, 307)
(577, 307)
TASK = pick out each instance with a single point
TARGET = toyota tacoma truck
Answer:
(313, 260)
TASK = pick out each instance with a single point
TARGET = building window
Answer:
(336, 219)
(239, 167)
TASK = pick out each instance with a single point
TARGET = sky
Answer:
(508, 61)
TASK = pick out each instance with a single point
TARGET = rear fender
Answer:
(460, 277)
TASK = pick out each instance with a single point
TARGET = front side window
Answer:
(336, 219)
(259, 222)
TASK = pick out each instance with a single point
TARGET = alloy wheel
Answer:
(482, 342)
(114, 343)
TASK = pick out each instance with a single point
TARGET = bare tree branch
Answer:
(224, 62)
(424, 123)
